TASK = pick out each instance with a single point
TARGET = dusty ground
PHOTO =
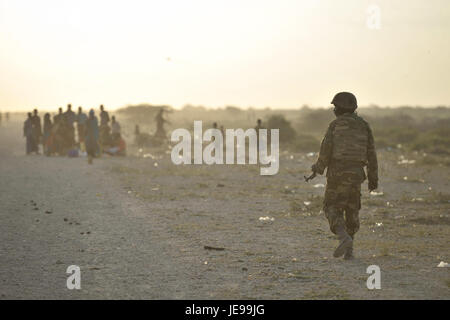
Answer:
(137, 228)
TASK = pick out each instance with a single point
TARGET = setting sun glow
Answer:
(281, 54)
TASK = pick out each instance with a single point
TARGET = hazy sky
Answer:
(258, 53)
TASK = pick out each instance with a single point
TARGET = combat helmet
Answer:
(345, 101)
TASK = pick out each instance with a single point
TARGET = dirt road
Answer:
(138, 226)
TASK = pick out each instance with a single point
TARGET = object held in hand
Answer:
(312, 176)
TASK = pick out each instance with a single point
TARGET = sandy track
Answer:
(120, 249)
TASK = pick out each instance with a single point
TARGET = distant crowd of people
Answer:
(74, 134)
(57, 136)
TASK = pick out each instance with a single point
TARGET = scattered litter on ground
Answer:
(376, 194)
(306, 203)
(155, 189)
(94, 268)
(213, 248)
(403, 160)
(155, 164)
(406, 161)
(319, 185)
(379, 224)
(266, 219)
(417, 200)
(443, 264)
(405, 178)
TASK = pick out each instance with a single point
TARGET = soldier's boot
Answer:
(349, 253)
(345, 242)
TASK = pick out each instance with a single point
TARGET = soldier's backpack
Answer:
(350, 138)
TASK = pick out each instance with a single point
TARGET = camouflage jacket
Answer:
(347, 147)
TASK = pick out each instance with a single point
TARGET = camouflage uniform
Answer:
(347, 147)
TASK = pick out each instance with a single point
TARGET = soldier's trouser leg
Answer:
(352, 210)
(352, 221)
(334, 205)
(341, 206)
(335, 217)
(352, 226)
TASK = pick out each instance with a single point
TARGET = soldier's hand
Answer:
(373, 185)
